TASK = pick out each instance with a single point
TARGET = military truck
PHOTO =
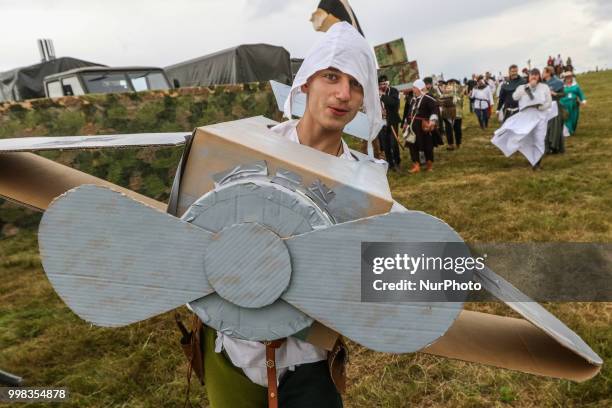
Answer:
(27, 82)
(98, 79)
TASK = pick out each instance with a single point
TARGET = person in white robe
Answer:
(526, 131)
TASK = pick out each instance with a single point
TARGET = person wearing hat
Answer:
(338, 77)
(389, 97)
(571, 101)
(421, 121)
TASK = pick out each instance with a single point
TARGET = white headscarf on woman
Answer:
(343, 48)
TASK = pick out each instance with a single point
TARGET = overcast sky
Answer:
(451, 37)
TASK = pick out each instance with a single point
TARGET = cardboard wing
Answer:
(514, 344)
(30, 144)
(34, 181)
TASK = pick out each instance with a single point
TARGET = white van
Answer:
(88, 80)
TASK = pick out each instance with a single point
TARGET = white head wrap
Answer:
(343, 48)
(419, 84)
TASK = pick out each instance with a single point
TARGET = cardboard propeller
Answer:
(94, 270)
(260, 228)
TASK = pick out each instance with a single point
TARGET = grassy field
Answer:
(483, 195)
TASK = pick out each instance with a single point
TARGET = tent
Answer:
(27, 82)
(236, 65)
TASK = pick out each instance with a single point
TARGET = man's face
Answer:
(334, 98)
(546, 75)
(513, 72)
(429, 86)
(416, 91)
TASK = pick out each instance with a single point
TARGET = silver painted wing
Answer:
(34, 181)
(30, 144)
(326, 282)
(115, 261)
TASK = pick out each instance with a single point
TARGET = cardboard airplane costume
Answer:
(262, 239)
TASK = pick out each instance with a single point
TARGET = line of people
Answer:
(547, 107)
(430, 111)
(557, 64)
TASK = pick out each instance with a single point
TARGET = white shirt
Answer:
(251, 355)
(483, 98)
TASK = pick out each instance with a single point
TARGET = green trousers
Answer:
(226, 385)
(309, 386)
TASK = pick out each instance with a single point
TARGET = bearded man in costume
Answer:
(506, 105)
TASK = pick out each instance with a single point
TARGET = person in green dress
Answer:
(571, 101)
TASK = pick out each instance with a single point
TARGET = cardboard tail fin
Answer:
(511, 343)
(34, 181)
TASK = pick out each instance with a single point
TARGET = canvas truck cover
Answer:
(27, 82)
(237, 65)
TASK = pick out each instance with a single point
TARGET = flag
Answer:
(329, 12)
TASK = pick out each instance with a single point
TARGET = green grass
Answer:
(483, 195)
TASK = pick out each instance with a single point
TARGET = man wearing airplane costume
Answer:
(339, 78)
(267, 249)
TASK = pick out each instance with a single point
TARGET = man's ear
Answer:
(304, 88)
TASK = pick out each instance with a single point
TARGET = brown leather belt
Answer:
(271, 347)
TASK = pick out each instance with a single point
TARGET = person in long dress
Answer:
(526, 131)
(574, 97)
(555, 142)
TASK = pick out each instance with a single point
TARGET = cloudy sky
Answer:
(451, 37)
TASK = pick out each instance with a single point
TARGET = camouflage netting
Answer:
(149, 171)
